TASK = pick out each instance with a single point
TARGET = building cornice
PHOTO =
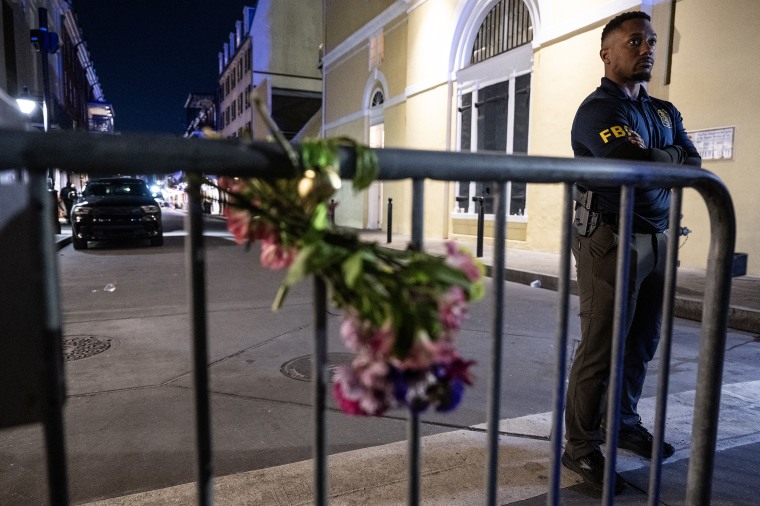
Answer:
(553, 31)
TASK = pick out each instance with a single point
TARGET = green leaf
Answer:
(476, 291)
(317, 153)
(367, 168)
(320, 221)
(299, 269)
(353, 268)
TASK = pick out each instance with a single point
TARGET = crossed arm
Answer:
(637, 150)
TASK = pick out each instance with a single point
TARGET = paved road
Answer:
(129, 415)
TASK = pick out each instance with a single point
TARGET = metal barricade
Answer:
(137, 154)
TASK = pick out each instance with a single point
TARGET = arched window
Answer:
(377, 99)
(506, 27)
(494, 108)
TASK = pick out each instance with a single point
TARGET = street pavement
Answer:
(261, 416)
(526, 267)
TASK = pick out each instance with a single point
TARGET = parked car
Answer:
(116, 209)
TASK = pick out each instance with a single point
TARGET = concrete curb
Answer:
(689, 308)
(61, 241)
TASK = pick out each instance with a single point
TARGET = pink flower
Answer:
(229, 183)
(462, 260)
(350, 329)
(239, 224)
(364, 388)
(346, 391)
(357, 335)
(246, 227)
(459, 369)
(274, 255)
(382, 340)
(372, 374)
(452, 308)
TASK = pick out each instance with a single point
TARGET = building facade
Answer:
(74, 94)
(272, 56)
(72, 80)
(508, 75)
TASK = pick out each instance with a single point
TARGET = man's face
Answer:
(628, 52)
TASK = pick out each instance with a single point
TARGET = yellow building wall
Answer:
(574, 63)
(715, 85)
(400, 191)
(566, 69)
(344, 17)
(702, 59)
(426, 124)
(465, 227)
(344, 89)
(346, 83)
(394, 65)
(429, 41)
(562, 10)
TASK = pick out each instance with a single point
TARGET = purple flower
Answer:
(452, 396)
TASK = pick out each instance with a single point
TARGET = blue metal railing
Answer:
(140, 154)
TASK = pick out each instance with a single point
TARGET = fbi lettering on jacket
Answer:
(615, 131)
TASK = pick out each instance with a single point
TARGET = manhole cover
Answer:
(77, 347)
(300, 368)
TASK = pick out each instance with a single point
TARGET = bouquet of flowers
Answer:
(401, 309)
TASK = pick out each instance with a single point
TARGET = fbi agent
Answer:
(619, 120)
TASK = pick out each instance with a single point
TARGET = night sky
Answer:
(150, 54)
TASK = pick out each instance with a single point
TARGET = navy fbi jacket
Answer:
(602, 129)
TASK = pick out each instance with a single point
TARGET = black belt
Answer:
(613, 219)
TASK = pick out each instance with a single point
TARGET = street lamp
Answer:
(26, 102)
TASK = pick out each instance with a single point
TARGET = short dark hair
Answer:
(618, 20)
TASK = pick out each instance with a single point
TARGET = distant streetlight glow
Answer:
(26, 102)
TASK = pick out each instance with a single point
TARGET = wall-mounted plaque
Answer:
(714, 143)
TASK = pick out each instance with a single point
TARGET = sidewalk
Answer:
(526, 267)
